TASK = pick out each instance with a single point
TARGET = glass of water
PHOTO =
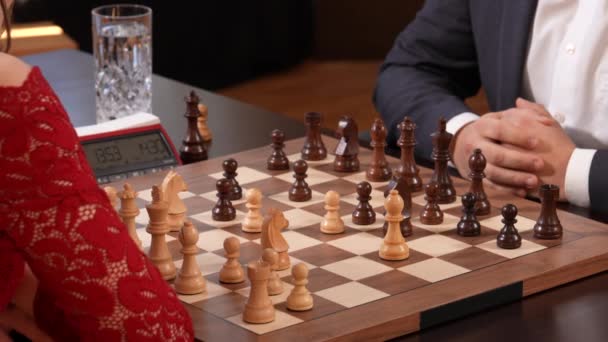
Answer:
(122, 44)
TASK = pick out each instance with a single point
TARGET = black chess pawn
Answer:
(299, 191)
(509, 238)
(223, 209)
(230, 166)
(364, 213)
(277, 160)
(548, 226)
(468, 225)
(477, 165)
(431, 214)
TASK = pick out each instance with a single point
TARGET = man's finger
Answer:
(523, 103)
(511, 178)
(505, 132)
(515, 191)
(510, 158)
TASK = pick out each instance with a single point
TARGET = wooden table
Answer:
(571, 312)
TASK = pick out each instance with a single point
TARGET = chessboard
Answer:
(356, 294)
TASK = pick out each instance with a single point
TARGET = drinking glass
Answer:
(122, 45)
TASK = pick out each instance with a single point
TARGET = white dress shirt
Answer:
(567, 72)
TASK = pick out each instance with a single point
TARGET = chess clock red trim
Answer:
(128, 131)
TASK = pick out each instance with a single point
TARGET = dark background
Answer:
(215, 44)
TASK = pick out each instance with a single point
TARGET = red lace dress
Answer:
(94, 283)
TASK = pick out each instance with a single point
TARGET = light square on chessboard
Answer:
(352, 294)
(283, 197)
(245, 175)
(433, 270)
(213, 290)
(316, 233)
(473, 258)
(146, 238)
(358, 244)
(527, 247)
(377, 201)
(281, 320)
(394, 282)
(320, 279)
(207, 218)
(414, 257)
(207, 262)
(523, 224)
(340, 186)
(322, 254)
(297, 156)
(229, 304)
(422, 202)
(360, 177)
(356, 268)
(314, 177)
(321, 307)
(348, 222)
(270, 186)
(280, 298)
(449, 223)
(212, 196)
(296, 241)
(437, 245)
(299, 218)
(214, 239)
(486, 234)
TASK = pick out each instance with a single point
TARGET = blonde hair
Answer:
(6, 25)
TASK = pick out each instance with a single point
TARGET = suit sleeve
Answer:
(429, 71)
(598, 184)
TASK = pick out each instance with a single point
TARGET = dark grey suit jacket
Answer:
(445, 55)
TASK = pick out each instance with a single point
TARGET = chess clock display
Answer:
(130, 152)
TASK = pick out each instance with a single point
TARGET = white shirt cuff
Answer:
(456, 123)
(577, 177)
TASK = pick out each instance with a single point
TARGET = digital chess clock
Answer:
(116, 154)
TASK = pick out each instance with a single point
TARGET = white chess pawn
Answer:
(189, 279)
(232, 272)
(299, 299)
(275, 285)
(252, 223)
(332, 223)
(394, 247)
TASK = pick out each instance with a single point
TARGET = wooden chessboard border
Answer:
(425, 306)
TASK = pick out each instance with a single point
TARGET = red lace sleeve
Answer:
(94, 279)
